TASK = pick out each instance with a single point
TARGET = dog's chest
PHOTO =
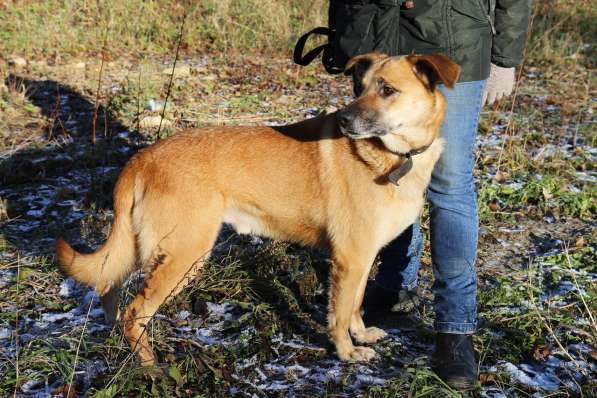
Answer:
(396, 215)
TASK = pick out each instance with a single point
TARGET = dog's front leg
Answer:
(348, 271)
(362, 334)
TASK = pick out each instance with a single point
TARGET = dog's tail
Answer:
(115, 259)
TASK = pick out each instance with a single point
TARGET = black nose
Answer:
(345, 118)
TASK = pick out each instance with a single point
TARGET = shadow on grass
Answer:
(42, 182)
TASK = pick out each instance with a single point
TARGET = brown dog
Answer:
(323, 182)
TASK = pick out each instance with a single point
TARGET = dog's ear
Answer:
(358, 66)
(435, 68)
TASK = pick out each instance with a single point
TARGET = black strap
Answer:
(326, 49)
(406, 166)
(401, 171)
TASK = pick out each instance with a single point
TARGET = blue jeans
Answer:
(453, 221)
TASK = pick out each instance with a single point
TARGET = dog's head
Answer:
(398, 100)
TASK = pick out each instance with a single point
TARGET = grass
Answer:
(140, 28)
(535, 174)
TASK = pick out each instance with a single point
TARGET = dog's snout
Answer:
(345, 118)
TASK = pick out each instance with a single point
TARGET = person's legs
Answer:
(453, 217)
(400, 261)
(454, 232)
(395, 285)
(453, 213)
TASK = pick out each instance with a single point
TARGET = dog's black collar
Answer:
(396, 174)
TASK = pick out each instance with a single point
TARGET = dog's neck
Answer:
(385, 164)
(376, 156)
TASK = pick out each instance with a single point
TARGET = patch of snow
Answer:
(183, 315)
(273, 386)
(295, 343)
(220, 311)
(96, 312)
(206, 336)
(514, 185)
(586, 176)
(367, 380)
(295, 369)
(528, 375)
(493, 393)
(55, 317)
(90, 296)
(68, 288)
(27, 226)
(6, 277)
(36, 213)
(30, 385)
(5, 333)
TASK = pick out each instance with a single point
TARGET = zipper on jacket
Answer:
(447, 19)
(487, 15)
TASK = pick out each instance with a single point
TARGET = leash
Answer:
(327, 50)
(396, 174)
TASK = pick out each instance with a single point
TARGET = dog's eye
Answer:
(387, 90)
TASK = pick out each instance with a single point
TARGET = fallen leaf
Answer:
(487, 378)
(501, 176)
(494, 206)
(546, 194)
(179, 71)
(154, 122)
(65, 392)
(540, 353)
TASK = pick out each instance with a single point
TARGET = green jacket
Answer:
(474, 33)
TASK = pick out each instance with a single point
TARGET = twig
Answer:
(72, 376)
(139, 100)
(509, 129)
(184, 18)
(582, 298)
(99, 85)
(17, 330)
(544, 321)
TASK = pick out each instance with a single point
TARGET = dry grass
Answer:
(141, 28)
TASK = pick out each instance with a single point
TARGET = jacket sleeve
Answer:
(511, 21)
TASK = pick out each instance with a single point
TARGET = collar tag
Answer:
(401, 171)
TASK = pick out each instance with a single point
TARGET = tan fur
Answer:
(305, 182)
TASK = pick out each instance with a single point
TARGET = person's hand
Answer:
(499, 84)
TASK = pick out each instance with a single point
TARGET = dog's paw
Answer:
(362, 354)
(369, 335)
(357, 353)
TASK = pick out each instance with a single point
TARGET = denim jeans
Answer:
(453, 221)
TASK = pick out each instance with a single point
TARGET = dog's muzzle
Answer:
(353, 126)
(345, 121)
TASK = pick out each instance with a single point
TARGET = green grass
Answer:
(538, 195)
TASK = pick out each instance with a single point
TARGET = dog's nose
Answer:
(345, 118)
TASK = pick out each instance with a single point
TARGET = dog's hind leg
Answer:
(177, 259)
(348, 270)
(109, 301)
